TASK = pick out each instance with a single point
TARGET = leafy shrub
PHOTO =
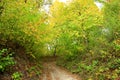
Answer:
(98, 57)
(6, 59)
(23, 24)
(16, 76)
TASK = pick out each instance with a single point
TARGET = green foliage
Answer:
(6, 60)
(35, 69)
(91, 40)
(17, 76)
(75, 26)
(88, 40)
(23, 24)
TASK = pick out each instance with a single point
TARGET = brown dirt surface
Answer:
(53, 72)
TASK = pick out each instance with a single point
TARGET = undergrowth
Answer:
(6, 59)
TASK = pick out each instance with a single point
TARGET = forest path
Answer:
(53, 72)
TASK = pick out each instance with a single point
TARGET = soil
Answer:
(53, 72)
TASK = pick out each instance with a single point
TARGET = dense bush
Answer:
(22, 24)
(90, 39)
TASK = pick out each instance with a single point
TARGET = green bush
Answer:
(16, 76)
(23, 25)
(98, 57)
(6, 59)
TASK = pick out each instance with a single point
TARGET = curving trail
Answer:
(53, 72)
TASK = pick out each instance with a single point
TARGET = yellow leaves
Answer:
(90, 79)
(117, 41)
(57, 13)
(104, 52)
(91, 52)
(108, 76)
(78, 8)
(113, 75)
(80, 49)
(102, 69)
(117, 44)
(84, 3)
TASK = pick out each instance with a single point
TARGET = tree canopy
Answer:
(86, 38)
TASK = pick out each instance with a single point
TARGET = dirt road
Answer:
(53, 72)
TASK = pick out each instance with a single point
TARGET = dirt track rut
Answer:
(53, 72)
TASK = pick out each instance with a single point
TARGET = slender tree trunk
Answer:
(54, 54)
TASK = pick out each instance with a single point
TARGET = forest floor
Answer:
(29, 68)
(53, 72)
